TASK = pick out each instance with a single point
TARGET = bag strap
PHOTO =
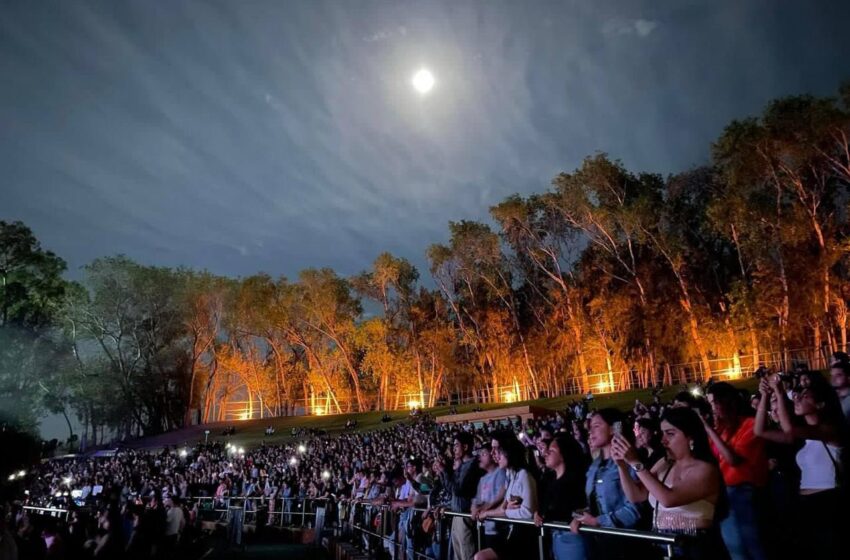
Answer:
(835, 464)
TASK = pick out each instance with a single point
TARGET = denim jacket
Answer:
(614, 509)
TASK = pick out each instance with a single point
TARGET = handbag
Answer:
(428, 523)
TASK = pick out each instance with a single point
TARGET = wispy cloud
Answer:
(639, 27)
(276, 136)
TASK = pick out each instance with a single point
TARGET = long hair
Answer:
(575, 461)
(824, 394)
(688, 421)
(515, 453)
(611, 416)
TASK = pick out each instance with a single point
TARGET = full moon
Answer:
(423, 81)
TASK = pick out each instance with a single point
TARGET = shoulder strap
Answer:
(835, 464)
(669, 463)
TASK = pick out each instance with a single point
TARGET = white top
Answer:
(695, 515)
(817, 469)
(173, 521)
(522, 485)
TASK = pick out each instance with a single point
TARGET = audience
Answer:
(705, 469)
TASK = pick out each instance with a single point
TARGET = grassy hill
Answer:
(251, 433)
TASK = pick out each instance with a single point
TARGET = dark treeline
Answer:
(610, 271)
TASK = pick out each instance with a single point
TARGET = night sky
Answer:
(250, 135)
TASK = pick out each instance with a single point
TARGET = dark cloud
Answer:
(265, 135)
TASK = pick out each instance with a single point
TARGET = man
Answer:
(839, 375)
(406, 497)
(491, 493)
(462, 482)
(174, 524)
(743, 464)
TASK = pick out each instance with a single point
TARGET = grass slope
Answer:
(251, 433)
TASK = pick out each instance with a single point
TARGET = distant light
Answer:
(67, 480)
(509, 396)
(22, 474)
(302, 448)
(241, 450)
(12, 476)
(58, 494)
(413, 404)
(326, 475)
(696, 392)
(183, 453)
(423, 81)
(293, 460)
(319, 411)
(26, 492)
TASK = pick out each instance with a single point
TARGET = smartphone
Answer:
(618, 428)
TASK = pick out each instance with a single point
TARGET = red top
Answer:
(745, 444)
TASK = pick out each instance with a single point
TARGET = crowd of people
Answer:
(739, 476)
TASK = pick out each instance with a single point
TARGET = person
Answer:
(683, 488)
(648, 441)
(174, 523)
(822, 431)
(743, 463)
(562, 494)
(520, 502)
(607, 502)
(8, 546)
(461, 481)
(839, 376)
(491, 493)
(404, 501)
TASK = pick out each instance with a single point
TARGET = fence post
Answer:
(479, 527)
(540, 551)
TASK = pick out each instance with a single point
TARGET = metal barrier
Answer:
(668, 541)
(293, 512)
(49, 512)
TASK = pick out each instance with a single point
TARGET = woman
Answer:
(683, 488)
(821, 515)
(648, 441)
(743, 464)
(607, 503)
(563, 493)
(520, 503)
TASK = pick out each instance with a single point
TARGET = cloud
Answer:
(621, 27)
(384, 34)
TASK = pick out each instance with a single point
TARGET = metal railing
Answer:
(292, 512)
(48, 512)
(668, 542)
